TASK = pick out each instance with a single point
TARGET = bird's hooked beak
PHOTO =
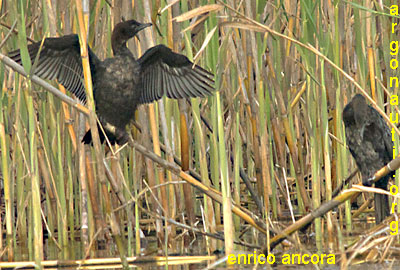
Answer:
(359, 129)
(361, 123)
(360, 137)
(141, 27)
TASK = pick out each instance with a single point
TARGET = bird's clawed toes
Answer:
(122, 137)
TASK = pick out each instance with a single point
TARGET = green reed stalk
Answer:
(7, 184)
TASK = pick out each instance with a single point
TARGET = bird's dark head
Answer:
(356, 115)
(361, 109)
(124, 31)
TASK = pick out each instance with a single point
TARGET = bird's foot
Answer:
(368, 181)
(122, 137)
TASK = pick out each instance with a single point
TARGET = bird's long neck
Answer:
(118, 43)
(119, 47)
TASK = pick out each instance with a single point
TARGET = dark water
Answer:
(197, 247)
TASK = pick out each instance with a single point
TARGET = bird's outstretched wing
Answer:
(166, 72)
(60, 59)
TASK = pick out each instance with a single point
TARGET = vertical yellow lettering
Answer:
(393, 205)
(394, 63)
(394, 227)
(396, 120)
(394, 47)
(394, 190)
(396, 80)
(394, 99)
(393, 26)
(394, 10)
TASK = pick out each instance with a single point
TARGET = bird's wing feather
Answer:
(387, 139)
(382, 140)
(60, 59)
(172, 74)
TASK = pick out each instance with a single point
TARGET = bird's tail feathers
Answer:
(382, 209)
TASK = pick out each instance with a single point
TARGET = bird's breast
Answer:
(116, 90)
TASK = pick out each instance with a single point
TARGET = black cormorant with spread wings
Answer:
(120, 83)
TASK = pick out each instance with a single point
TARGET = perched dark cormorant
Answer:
(370, 143)
(120, 83)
